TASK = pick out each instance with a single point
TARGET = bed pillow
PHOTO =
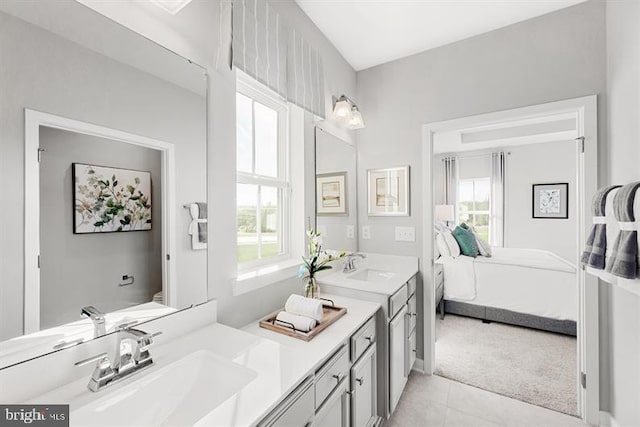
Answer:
(452, 243)
(483, 247)
(441, 247)
(467, 241)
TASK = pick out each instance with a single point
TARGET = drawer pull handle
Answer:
(338, 377)
(370, 339)
(360, 380)
(414, 350)
(413, 314)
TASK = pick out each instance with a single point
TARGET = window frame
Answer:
(263, 95)
(475, 211)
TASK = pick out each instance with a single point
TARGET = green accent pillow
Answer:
(466, 240)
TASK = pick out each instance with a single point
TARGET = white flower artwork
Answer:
(550, 201)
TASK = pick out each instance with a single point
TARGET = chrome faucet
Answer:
(349, 262)
(131, 355)
(98, 319)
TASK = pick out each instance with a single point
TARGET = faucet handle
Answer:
(102, 357)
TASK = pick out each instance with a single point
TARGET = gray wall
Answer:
(620, 308)
(553, 57)
(47, 73)
(336, 155)
(85, 269)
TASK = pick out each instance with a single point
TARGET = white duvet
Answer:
(528, 281)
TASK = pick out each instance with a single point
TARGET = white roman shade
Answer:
(275, 54)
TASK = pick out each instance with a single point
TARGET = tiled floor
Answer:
(433, 401)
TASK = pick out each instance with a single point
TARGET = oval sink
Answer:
(179, 394)
(371, 275)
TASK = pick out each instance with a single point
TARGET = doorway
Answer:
(573, 120)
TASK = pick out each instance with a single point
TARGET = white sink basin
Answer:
(371, 275)
(179, 394)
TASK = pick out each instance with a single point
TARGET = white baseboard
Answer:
(418, 366)
(607, 420)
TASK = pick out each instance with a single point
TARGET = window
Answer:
(473, 206)
(262, 176)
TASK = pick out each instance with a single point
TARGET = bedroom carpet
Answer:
(532, 366)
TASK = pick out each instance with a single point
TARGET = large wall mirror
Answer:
(336, 198)
(103, 163)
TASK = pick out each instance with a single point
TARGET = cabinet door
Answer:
(364, 394)
(335, 410)
(410, 352)
(397, 346)
(296, 410)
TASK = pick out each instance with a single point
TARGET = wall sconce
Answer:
(346, 113)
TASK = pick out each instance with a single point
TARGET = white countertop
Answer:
(402, 267)
(280, 362)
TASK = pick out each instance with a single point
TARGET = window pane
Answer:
(482, 192)
(270, 222)
(266, 126)
(247, 202)
(244, 134)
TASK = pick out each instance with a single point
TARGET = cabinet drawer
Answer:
(411, 286)
(438, 276)
(411, 354)
(295, 410)
(397, 301)
(413, 313)
(331, 374)
(362, 339)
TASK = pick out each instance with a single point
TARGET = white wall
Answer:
(63, 78)
(620, 309)
(553, 57)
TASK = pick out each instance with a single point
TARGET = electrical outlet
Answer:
(351, 231)
(405, 234)
(366, 231)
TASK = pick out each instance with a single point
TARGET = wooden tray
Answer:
(331, 313)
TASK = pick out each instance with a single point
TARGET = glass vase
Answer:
(311, 289)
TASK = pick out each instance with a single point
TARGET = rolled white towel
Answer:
(308, 307)
(301, 323)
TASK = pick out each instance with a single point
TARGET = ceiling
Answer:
(372, 32)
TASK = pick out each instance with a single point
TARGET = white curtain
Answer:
(497, 199)
(451, 183)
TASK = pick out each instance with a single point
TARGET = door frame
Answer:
(33, 120)
(584, 111)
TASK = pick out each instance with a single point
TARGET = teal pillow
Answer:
(466, 240)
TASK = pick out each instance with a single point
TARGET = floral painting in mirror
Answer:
(109, 199)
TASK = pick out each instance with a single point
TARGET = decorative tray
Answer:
(331, 313)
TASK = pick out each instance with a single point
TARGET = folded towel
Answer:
(624, 260)
(308, 307)
(595, 249)
(202, 225)
(299, 323)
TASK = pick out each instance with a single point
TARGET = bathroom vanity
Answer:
(391, 282)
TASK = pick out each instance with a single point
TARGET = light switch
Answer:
(366, 232)
(405, 234)
(351, 231)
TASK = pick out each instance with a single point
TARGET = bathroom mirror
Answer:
(336, 197)
(105, 178)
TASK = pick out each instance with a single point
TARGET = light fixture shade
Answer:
(342, 110)
(171, 6)
(444, 213)
(356, 121)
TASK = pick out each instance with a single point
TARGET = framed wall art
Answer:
(331, 194)
(550, 201)
(108, 199)
(388, 191)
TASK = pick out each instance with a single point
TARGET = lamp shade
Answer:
(356, 121)
(342, 110)
(444, 213)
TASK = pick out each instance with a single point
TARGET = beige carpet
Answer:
(529, 365)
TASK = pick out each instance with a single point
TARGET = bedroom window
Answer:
(263, 187)
(473, 204)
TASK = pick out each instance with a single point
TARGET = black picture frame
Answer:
(537, 199)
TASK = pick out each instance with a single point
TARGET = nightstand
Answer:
(438, 286)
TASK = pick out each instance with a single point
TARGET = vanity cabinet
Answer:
(364, 398)
(335, 411)
(296, 410)
(398, 374)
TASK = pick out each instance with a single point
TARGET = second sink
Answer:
(372, 275)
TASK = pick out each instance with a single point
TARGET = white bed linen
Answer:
(521, 280)
(459, 278)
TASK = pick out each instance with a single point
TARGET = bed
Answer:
(524, 287)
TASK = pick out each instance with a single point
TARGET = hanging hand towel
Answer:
(308, 307)
(624, 260)
(595, 249)
(198, 227)
(299, 323)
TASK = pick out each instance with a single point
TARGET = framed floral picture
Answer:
(331, 194)
(108, 199)
(550, 201)
(388, 191)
